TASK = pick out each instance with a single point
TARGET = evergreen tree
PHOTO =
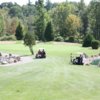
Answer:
(29, 2)
(49, 36)
(94, 18)
(40, 22)
(48, 5)
(97, 23)
(83, 15)
(19, 32)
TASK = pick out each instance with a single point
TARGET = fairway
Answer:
(53, 78)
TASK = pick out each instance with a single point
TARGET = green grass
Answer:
(52, 78)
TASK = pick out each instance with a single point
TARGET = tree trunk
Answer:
(31, 50)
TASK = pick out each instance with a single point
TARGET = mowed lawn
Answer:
(53, 78)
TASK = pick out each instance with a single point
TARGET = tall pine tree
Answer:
(94, 18)
(19, 32)
(83, 15)
(40, 22)
(48, 5)
(49, 36)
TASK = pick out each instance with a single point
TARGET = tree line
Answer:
(67, 21)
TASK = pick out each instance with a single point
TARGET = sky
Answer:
(23, 2)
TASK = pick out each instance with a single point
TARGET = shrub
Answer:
(59, 39)
(8, 38)
(71, 39)
(88, 40)
(95, 44)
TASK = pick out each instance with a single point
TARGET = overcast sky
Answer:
(23, 2)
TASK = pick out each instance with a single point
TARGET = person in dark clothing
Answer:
(81, 60)
(41, 54)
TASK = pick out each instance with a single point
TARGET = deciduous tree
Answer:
(29, 40)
